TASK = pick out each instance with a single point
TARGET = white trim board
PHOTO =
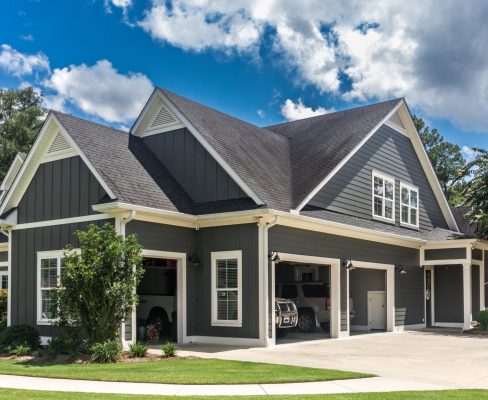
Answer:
(4, 264)
(63, 221)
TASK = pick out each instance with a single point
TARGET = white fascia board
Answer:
(427, 166)
(345, 160)
(227, 168)
(143, 113)
(85, 159)
(12, 172)
(4, 246)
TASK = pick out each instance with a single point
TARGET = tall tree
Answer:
(20, 121)
(476, 192)
(447, 160)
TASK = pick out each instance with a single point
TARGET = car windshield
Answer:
(318, 290)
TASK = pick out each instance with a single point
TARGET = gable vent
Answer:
(164, 117)
(395, 119)
(59, 144)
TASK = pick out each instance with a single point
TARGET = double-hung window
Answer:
(227, 288)
(4, 280)
(409, 205)
(383, 197)
(49, 265)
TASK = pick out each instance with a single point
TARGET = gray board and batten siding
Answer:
(203, 179)
(60, 189)
(361, 281)
(350, 189)
(448, 293)
(3, 256)
(25, 245)
(203, 242)
(409, 299)
(445, 254)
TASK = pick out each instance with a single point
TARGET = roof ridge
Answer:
(55, 112)
(218, 111)
(398, 99)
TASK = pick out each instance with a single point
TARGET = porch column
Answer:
(467, 295)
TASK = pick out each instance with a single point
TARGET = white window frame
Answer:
(385, 177)
(410, 188)
(44, 255)
(2, 274)
(225, 255)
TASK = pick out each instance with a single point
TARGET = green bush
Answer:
(107, 352)
(138, 350)
(21, 350)
(65, 344)
(169, 349)
(482, 319)
(15, 335)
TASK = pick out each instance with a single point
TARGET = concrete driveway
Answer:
(443, 359)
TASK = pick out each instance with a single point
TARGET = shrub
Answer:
(3, 308)
(21, 350)
(138, 350)
(107, 352)
(169, 349)
(482, 319)
(98, 284)
(15, 335)
(65, 344)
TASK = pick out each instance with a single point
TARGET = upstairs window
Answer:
(227, 288)
(383, 197)
(409, 205)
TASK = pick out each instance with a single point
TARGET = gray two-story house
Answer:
(228, 213)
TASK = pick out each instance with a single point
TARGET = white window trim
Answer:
(382, 175)
(42, 255)
(2, 274)
(223, 255)
(416, 189)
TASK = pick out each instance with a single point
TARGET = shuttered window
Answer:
(226, 287)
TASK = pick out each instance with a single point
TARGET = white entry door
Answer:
(377, 310)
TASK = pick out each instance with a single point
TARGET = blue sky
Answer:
(262, 63)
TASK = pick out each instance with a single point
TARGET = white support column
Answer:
(390, 299)
(335, 294)
(467, 296)
(482, 282)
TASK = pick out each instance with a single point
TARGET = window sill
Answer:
(381, 219)
(405, 225)
(44, 322)
(228, 324)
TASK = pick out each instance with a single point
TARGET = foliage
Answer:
(98, 284)
(3, 309)
(21, 350)
(169, 349)
(138, 350)
(70, 344)
(482, 318)
(447, 160)
(104, 353)
(20, 121)
(476, 192)
(15, 335)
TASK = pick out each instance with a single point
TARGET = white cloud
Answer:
(468, 153)
(293, 111)
(20, 64)
(101, 90)
(261, 113)
(434, 56)
(123, 4)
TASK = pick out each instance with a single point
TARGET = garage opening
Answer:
(302, 302)
(367, 290)
(157, 308)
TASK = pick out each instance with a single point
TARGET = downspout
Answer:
(267, 226)
(7, 233)
(122, 222)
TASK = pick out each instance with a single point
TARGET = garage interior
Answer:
(308, 286)
(367, 291)
(156, 311)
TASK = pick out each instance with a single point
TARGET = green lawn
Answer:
(181, 371)
(436, 395)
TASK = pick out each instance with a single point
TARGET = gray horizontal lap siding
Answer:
(60, 189)
(409, 288)
(445, 254)
(350, 190)
(477, 254)
(25, 245)
(448, 293)
(3, 256)
(193, 167)
(361, 281)
(203, 242)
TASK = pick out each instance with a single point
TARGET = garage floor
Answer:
(440, 357)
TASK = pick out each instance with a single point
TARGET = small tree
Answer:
(98, 284)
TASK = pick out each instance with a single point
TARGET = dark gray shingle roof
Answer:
(318, 144)
(464, 224)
